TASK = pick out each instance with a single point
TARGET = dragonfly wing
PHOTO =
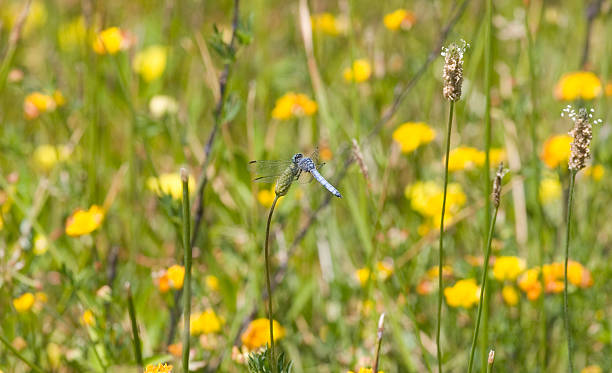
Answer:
(268, 168)
(266, 179)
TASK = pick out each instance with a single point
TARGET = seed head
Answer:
(491, 357)
(453, 69)
(496, 193)
(582, 134)
(360, 161)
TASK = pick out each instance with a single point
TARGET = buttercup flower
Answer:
(24, 303)
(426, 199)
(150, 63)
(266, 196)
(206, 322)
(465, 158)
(110, 41)
(88, 318)
(84, 222)
(508, 267)
(550, 190)
(592, 369)
(496, 156)
(328, 24)
(292, 105)
(46, 156)
(595, 172)
(359, 72)
(411, 135)
(365, 370)
(465, 293)
(176, 275)
(384, 270)
(41, 244)
(510, 295)
(212, 282)
(257, 333)
(400, 18)
(170, 184)
(578, 85)
(556, 150)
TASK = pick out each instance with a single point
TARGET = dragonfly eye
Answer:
(297, 157)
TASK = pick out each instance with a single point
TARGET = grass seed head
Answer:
(453, 70)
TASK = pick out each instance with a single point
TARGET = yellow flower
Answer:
(257, 334)
(72, 34)
(496, 155)
(400, 18)
(110, 41)
(41, 244)
(592, 369)
(385, 269)
(362, 275)
(411, 135)
(364, 370)
(578, 275)
(212, 282)
(170, 184)
(595, 172)
(510, 295)
(37, 103)
(327, 23)
(150, 63)
(508, 267)
(84, 222)
(529, 282)
(24, 303)
(359, 72)
(465, 158)
(426, 199)
(556, 151)
(550, 190)
(88, 318)
(432, 273)
(266, 197)
(292, 105)
(176, 275)
(46, 156)
(59, 98)
(465, 293)
(578, 85)
(206, 322)
(159, 368)
(54, 354)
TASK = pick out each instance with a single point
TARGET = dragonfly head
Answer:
(296, 157)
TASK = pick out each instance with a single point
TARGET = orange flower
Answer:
(578, 85)
(257, 333)
(399, 19)
(556, 150)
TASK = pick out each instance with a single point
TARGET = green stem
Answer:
(269, 286)
(379, 343)
(487, 165)
(441, 246)
(482, 304)
(566, 315)
(136, 340)
(19, 355)
(188, 259)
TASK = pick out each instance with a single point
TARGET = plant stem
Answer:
(566, 315)
(379, 336)
(188, 259)
(269, 286)
(487, 165)
(441, 247)
(482, 304)
(19, 355)
(136, 340)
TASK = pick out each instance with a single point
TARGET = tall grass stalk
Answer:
(269, 285)
(379, 336)
(441, 242)
(487, 165)
(10, 347)
(482, 304)
(566, 315)
(136, 339)
(188, 259)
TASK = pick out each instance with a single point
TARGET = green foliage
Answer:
(259, 362)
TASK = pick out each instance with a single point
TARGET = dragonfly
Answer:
(299, 168)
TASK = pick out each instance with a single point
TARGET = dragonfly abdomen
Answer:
(325, 183)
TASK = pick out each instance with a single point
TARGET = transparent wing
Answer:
(268, 168)
(306, 177)
(266, 179)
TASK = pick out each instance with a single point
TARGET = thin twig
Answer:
(268, 285)
(188, 259)
(592, 12)
(136, 339)
(203, 178)
(566, 315)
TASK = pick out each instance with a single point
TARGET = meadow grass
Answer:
(97, 121)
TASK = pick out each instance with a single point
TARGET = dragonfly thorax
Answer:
(296, 158)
